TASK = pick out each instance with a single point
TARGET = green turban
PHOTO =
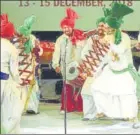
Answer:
(107, 12)
(114, 18)
(26, 30)
(118, 11)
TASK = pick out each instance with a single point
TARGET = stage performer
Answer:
(89, 108)
(11, 94)
(117, 86)
(27, 64)
(68, 49)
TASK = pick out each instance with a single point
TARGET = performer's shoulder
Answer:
(60, 38)
(3, 40)
(6, 44)
(125, 36)
(126, 40)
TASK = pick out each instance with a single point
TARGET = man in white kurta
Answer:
(28, 71)
(67, 50)
(11, 95)
(89, 108)
(111, 98)
(111, 94)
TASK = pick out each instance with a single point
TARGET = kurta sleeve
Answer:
(126, 41)
(14, 65)
(56, 54)
(87, 46)
(78, 49)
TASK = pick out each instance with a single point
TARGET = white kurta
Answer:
(115, 94)
(66, 53)
(11, 94)
(34, 100)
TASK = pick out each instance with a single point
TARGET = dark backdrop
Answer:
(53, 35)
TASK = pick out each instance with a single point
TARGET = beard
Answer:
(67, 33)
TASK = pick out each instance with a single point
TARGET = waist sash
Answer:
(134, 74)
(4, 76)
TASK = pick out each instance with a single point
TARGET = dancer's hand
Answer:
(138, 46)
(57, 69)
(83, 76)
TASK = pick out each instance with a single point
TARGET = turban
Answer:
(69, 20)
(114, 18)
(7, 29)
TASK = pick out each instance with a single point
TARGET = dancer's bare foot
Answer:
(136, 125)
(100, 115)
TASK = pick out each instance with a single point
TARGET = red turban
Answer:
(7, 29)
(69, 20)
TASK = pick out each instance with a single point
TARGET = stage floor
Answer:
(50, 121)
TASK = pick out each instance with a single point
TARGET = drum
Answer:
(73, 74)
(92, 58)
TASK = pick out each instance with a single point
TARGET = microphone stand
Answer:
(64, 87)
